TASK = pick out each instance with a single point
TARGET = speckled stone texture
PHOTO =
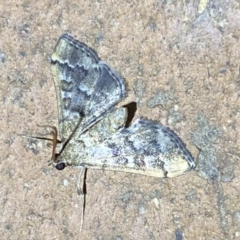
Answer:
(180, 61)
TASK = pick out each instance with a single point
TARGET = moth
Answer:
(93, 130)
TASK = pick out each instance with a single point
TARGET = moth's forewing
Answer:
(86, 87)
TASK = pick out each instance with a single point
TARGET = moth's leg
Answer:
(55, 140)
(81, 192)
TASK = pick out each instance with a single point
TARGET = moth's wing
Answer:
(105, 129)
(154, 147)
(86, 87)
(146, 147)
(108, 91)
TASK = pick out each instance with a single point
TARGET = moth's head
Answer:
(58, 163)
(60, 166)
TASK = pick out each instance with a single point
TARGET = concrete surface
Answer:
(180, 60)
